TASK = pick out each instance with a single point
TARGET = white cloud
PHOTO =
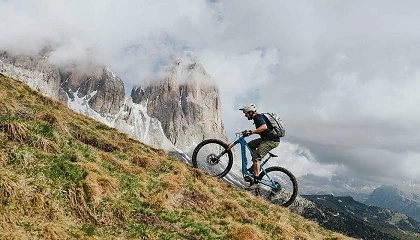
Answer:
(301, 161)
(343, 76)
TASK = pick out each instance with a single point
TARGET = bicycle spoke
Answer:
(208, 157)
(278, 186)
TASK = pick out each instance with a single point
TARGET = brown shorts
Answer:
(260, 148)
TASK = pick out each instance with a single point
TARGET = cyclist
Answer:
(260, 146)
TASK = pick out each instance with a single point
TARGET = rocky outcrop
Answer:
(104, 88)
(186, 101)
(35, 71)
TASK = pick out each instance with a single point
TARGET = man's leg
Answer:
(254, 145)
(256, 168)
(265, 147)
(261, 150)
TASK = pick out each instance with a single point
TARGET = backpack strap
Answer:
(269, 125)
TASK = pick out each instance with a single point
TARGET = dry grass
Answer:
(9, 187)
(53, 231)
(21, 197)
(89, 137)
(3, 109)
(45, 145)
(144, 161)
(98, 185)
(3, 158)
(187, 199)
(77, 201)
(121, 165)
(48, 117)
(15, 131)
(24, 113)
(245, 232)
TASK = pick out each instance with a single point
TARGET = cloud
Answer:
(343, 76)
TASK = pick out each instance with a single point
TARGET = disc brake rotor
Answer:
(212, 159)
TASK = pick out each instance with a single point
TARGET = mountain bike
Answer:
(215, 157)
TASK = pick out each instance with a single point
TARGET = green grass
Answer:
(63, 172)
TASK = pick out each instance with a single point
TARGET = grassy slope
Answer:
(63, 175)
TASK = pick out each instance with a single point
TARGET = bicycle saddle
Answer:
(272, 155)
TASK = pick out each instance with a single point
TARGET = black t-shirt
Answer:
(259, 120)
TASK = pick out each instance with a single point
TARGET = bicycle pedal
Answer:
(248, 179)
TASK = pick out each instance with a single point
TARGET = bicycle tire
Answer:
(284, 196)
(205, 153)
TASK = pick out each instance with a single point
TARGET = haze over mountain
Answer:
(405, 199)
(358, 220)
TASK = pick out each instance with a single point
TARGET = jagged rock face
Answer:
(186, 101)
(106, 88)
(35, 71)
(134, 121)
(38, 73)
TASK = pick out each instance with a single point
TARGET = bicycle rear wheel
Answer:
(213, 156)
(282, 187)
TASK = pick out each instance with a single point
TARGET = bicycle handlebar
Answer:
(241, 134)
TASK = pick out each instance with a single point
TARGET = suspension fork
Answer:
(230, 146)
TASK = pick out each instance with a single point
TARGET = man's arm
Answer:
(260, 129)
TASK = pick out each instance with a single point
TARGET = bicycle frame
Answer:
(244, 145)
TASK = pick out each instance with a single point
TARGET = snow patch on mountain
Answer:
(132, 119)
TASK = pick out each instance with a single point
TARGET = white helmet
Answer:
(249, 108)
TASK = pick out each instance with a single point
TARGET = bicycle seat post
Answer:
(270, 155)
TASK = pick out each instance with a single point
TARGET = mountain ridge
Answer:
(344, 214)
(395, 197)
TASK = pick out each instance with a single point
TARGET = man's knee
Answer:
(266, 147)
(257, 157)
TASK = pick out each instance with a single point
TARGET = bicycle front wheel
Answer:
(278, 185)
(213, 156)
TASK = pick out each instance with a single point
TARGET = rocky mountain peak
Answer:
(104, 88)
(186, 100)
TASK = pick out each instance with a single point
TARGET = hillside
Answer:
(64, 175)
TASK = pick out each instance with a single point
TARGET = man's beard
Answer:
(249, 118)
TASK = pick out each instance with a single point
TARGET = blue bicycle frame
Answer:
(244, 145)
